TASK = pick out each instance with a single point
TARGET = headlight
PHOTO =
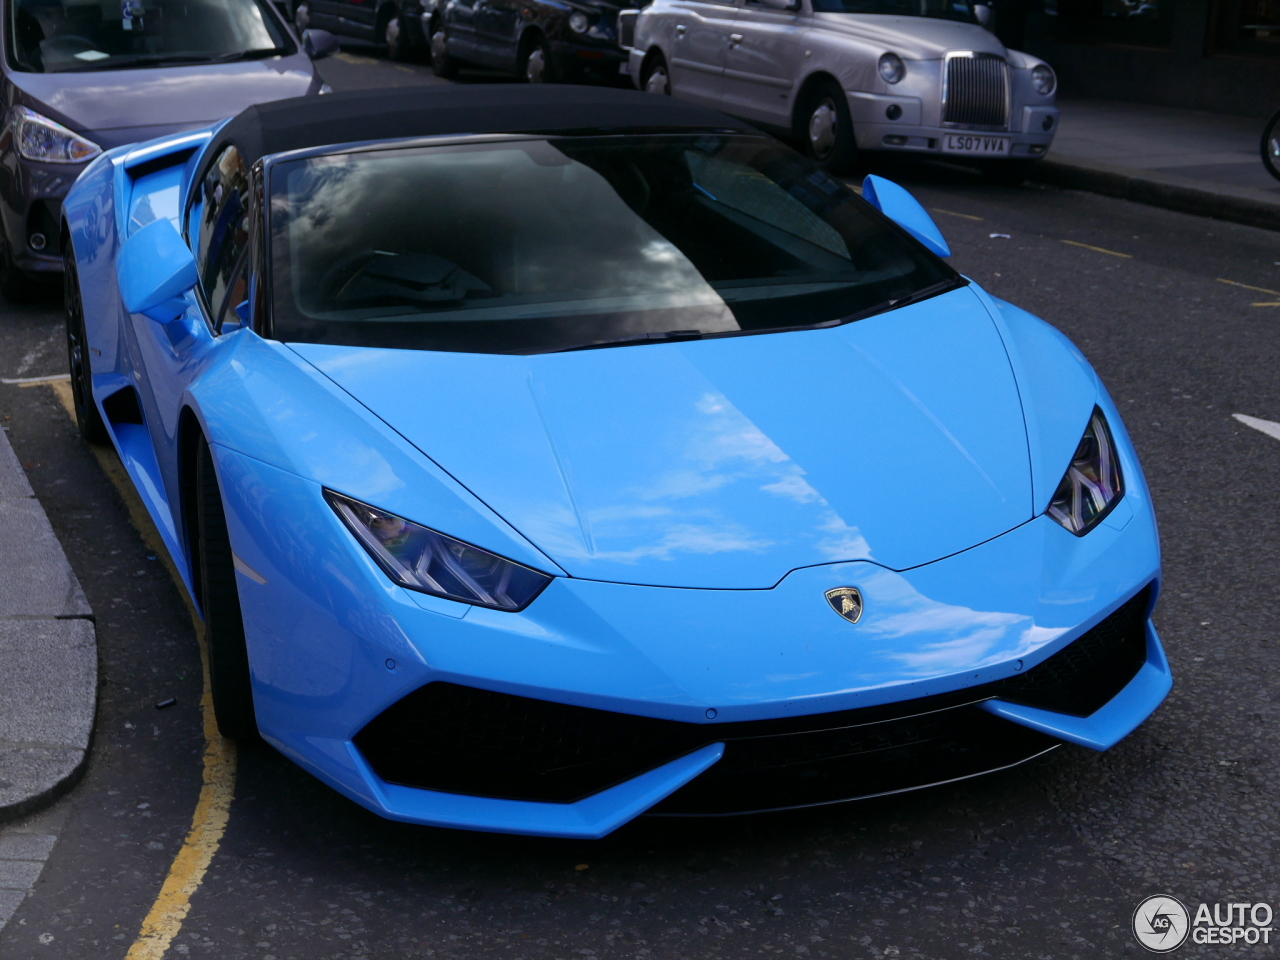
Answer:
(1042, 79)
(422, 559)
(1093, 484)
(39, 138)
(892, 69)
(578, 22)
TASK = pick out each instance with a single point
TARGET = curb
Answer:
(1254, 208)
(48, 653)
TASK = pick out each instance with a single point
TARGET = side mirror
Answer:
(904, 210)
(318, 44)
(788, 5)
(154, 269)
(983, 13)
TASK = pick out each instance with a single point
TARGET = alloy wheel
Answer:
(823, 124)
(658, 82)
(535, 67)
(302, 17)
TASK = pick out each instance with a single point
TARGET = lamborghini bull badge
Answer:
(846, 601)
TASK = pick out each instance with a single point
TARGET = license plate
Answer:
(976, 144)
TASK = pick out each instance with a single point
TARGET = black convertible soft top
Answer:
(361, 115)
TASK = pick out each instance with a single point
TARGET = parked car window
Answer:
(937, 9)
(534, 245)
(60, 36)
(220, 224)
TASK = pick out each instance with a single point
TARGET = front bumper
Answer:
(335, 646)
(902, 124)
(32, 196)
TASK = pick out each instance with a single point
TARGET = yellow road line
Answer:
(952, 213)
(1275, 303)
(1089, 246)
(1237, 283)
(209, 822)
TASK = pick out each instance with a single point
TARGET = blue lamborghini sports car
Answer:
(541, 457)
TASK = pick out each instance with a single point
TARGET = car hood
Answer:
(914, 38)
(726, 463)
(114, 107)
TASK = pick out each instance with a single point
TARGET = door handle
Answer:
(735, 38)
(681, 28)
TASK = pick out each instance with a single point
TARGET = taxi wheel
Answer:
(88, 419)
(655, 79)
(828, 131)
(1271, 145)
(302, 17)
(220, 602)
(537, 65)
(442, 64)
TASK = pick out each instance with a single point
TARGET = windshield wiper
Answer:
(171, 59)
(667, 336)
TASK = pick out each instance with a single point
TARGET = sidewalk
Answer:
(1200, 163)
(48, 654)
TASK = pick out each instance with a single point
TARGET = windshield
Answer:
(937, 9)
(532, 245)
(59, 36)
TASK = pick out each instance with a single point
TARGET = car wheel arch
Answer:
(804, 92)
(655, 56)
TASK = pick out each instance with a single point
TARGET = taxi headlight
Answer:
(891, 67)
(1042, 79)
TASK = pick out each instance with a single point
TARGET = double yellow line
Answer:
(209, 822)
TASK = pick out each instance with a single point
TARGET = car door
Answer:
(356, 18)
(699, 46)
(764, 59)
(173, 353)
(460, 28)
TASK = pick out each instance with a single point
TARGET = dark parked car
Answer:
(82, 77)
(543, 41)
(404, 26)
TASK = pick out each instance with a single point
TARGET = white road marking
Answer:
(23, 381)
(31, 355)
(1269, 427)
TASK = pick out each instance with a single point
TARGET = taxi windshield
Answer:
(62, 36)
(531, 245)
(961, 10)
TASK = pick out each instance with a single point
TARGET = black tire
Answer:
(88, 419)
(536, 65)
(1006, 173)
(442, 64)
(1271, 145)
(656, 77)
(16, 286)
(826, 129)
(399, 43)
(220, 602)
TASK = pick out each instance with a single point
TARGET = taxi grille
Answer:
(459, 739)
(976, 91)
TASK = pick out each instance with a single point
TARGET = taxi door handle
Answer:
(735, 38)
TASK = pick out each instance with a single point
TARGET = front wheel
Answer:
(1271, 145)
(302, 17)
(828, 130)
(88, 419)
(399, 49)
(220, 602)
(537, 64)
(442, 63)
(656, 79)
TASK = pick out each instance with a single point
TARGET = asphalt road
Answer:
(1048, 860)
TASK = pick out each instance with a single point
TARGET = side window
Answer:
(222, 231)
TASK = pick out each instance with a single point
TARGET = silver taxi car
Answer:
(843, 76)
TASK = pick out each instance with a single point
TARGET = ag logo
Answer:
(1161, 923)
(846, 601)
